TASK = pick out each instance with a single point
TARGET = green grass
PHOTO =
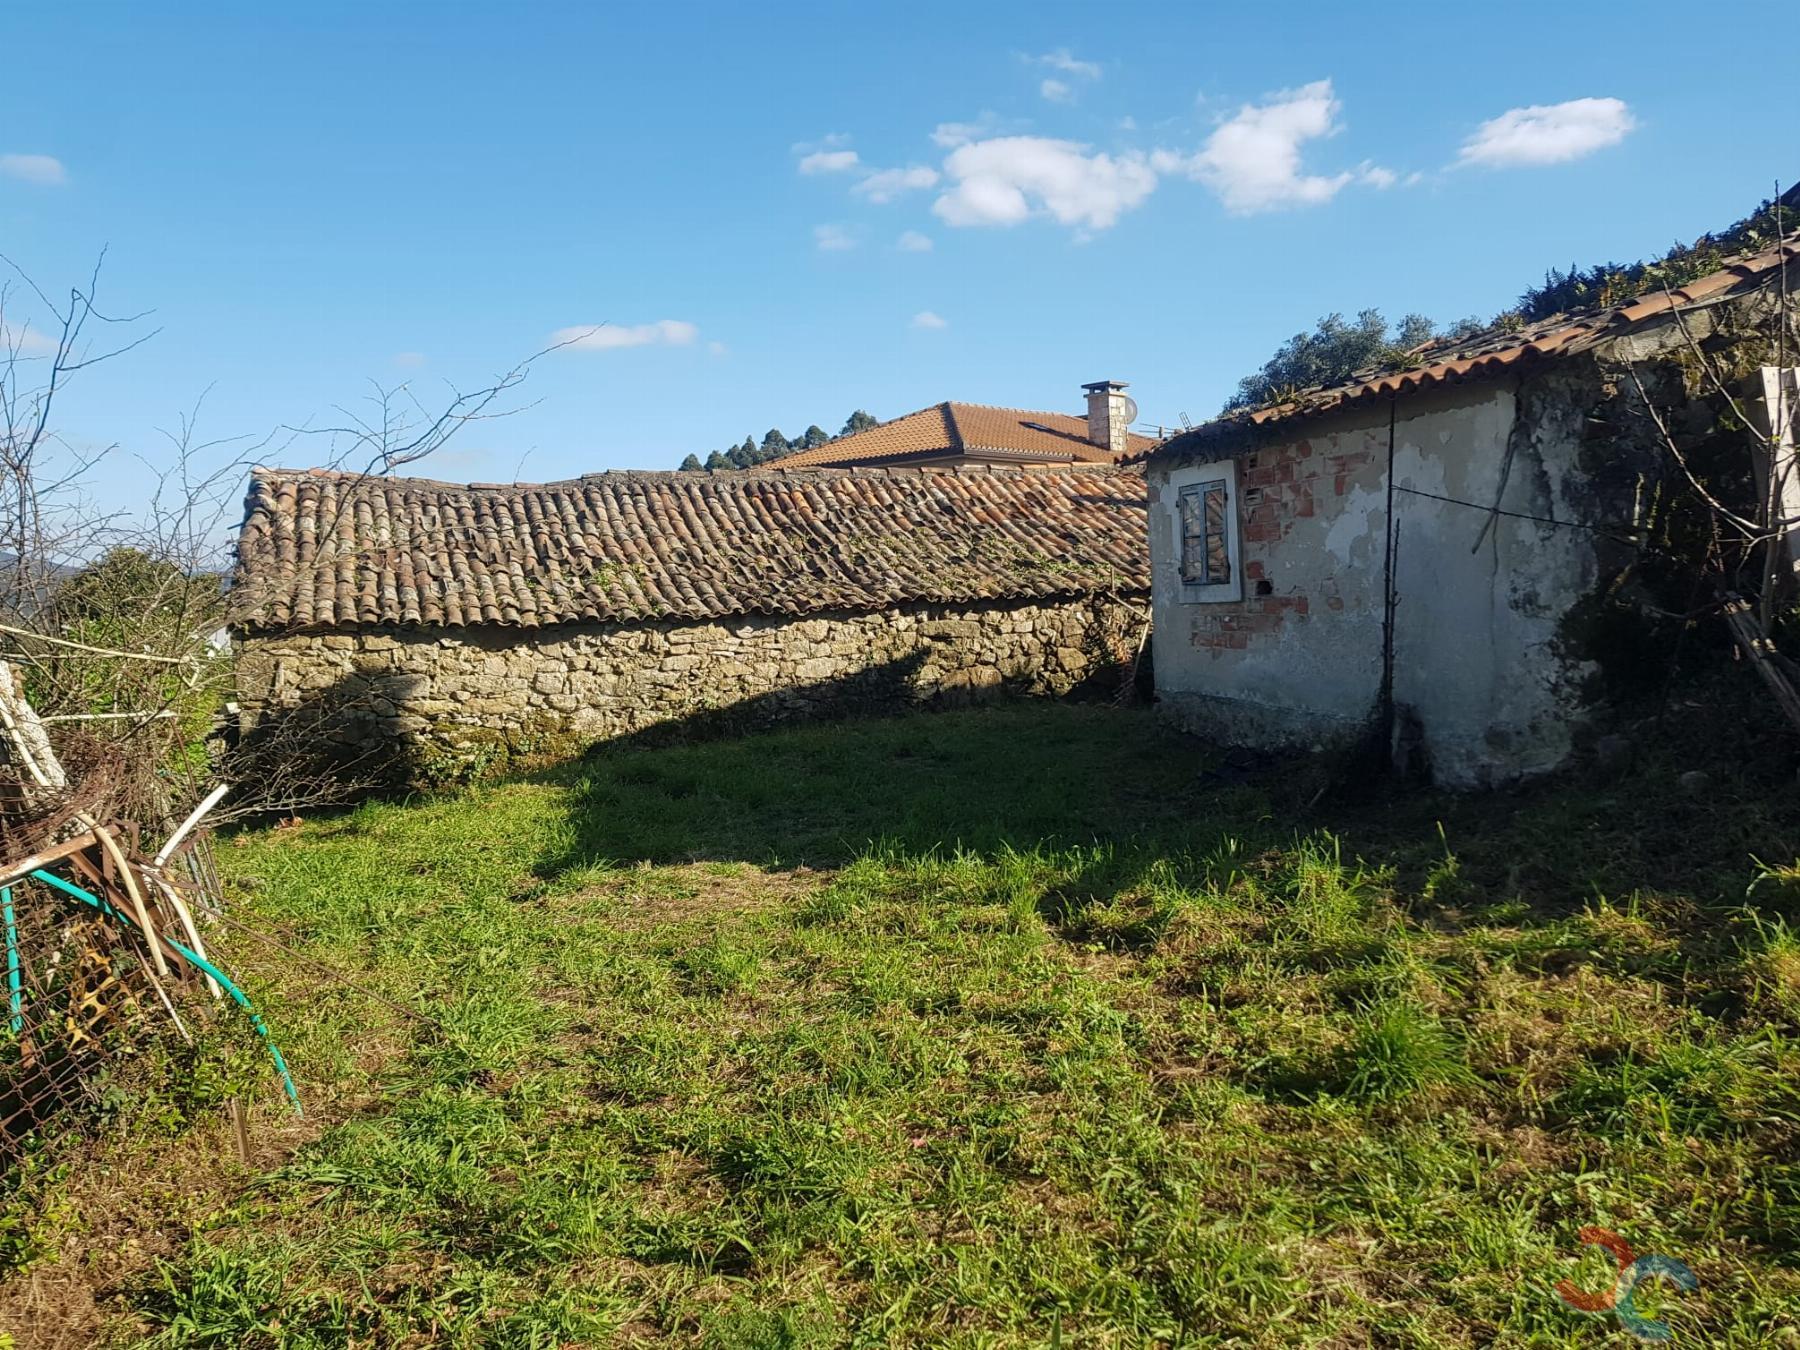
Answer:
(1019, 1026)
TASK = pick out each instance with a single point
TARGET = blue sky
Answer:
(762, 201)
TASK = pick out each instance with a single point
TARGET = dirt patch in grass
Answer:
(661, 897)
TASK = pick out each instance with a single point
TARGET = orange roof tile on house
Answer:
(967, 432)
(1495, 352)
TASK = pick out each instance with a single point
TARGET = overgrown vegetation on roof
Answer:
(1613, 283)
(1338, 349)
(1010, 1027)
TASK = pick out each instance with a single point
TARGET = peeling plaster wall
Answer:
(1476, 659)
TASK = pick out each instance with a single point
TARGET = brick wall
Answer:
(1277, 486)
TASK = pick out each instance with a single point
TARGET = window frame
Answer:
(1195, 482)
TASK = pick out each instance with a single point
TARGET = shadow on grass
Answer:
(1146, 808)
(983, 780)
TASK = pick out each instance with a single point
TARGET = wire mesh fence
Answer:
(110, 991)
(111, 995)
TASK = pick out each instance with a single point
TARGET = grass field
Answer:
(1019, 1026)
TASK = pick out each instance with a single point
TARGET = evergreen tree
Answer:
(775, 445)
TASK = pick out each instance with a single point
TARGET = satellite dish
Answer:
(1131, 410)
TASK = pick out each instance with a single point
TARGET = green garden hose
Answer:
(195, 960)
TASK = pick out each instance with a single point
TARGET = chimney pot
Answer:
(1107, 425)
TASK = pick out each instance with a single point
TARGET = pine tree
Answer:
(774, 446)
(691, 464)
(815, 436)
(858, 421)
(717, 461)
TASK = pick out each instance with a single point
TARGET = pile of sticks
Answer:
(104, 940)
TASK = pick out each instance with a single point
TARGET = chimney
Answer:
(1108, 420)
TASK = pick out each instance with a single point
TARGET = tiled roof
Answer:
(1494, 351)
(325, 549)
(967, 428)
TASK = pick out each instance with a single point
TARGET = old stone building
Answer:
(465, 623)
(1422, 551)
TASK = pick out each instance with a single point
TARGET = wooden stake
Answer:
(240, 1131)
(117, 855)
(1760, 653)
(13, 871)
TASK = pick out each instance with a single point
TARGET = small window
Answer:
(1205, 534)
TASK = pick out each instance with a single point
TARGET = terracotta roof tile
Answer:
(1494, 352)
(324, 549)
(961, 428)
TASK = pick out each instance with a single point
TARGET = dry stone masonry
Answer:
(458, 701)
(467, 625)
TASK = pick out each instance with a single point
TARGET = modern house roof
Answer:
(321, 549)
(1494, 351)
(1017, 435)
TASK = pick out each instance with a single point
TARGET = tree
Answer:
(691, 464)
(748, 454)
(1330, 354)
(113, 618)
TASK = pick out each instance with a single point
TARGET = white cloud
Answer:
(952, 134)
(883, 185)
(1061, 60)
(717, 349)
(1128, 123)
(1008, 179)
(914, 242)
(1252, 158)
(833, 238)
(835, 140)
(25, 341)
(1056, 91)
(609, 337)
(829, 161)
(409, 360)
(44, 170)
(926, 319)
(1548, 133)
(1375, 175)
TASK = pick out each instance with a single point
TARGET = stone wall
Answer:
(451, 702)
